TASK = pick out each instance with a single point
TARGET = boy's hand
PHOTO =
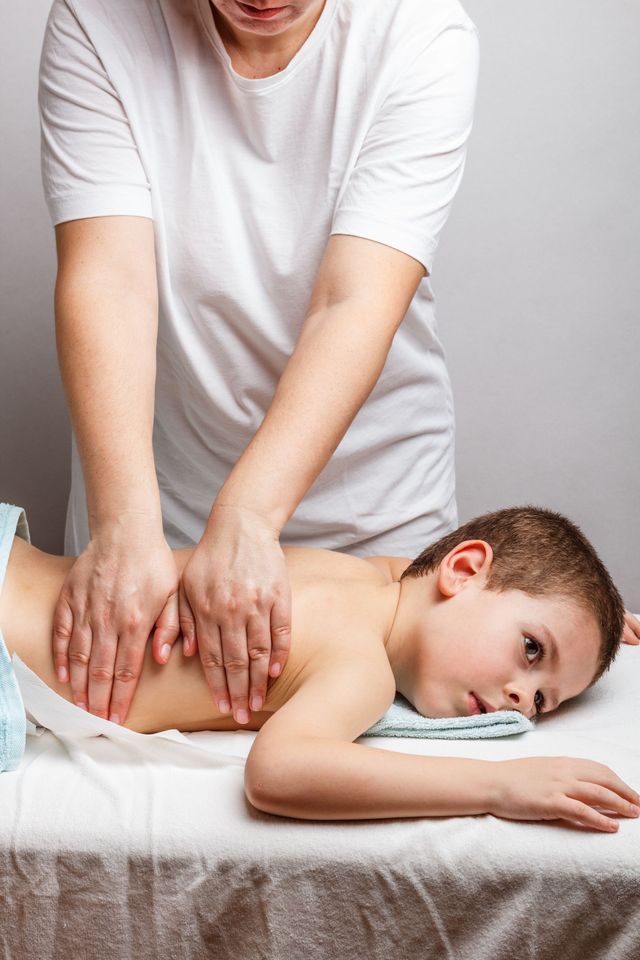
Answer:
(566, 788)
(631, 632)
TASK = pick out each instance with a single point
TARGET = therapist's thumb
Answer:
(167, 629)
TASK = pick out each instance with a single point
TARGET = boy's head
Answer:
(481, 602)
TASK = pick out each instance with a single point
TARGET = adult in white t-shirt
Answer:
(246, 209)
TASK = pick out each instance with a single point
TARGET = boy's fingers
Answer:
(572, 809)
(631, 632)
(606, 798)
(607, 778)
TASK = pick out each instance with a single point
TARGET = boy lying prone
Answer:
(512, 611)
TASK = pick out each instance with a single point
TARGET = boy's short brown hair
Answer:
(541, 553)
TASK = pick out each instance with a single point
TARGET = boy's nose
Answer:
(520, 698)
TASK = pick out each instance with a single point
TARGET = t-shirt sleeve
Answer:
(412, 159)
(90, 163)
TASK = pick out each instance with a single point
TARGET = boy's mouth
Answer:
(478, 706)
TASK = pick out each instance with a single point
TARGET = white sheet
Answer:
(145, 846)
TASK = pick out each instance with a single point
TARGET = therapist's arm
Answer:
(106, 307)
(234, 592)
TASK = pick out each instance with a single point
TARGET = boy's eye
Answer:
(537, 646)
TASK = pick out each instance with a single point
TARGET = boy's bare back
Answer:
(334, 618)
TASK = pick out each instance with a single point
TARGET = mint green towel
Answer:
(401, 720)
(13, 522)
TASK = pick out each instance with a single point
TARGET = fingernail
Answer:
(63, 676)
(114, 718)
(165, 650)
(80, 704)
(224, 707)
(242, 716)
(275, 670)
(256, 703)
(634, 810)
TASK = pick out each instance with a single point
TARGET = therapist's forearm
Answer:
(339, 356)
(106, 338)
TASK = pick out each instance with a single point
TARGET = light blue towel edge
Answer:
(401, 720)
(13, 721)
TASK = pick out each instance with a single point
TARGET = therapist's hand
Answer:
(631, 632)
(235, 604)
(123, 584)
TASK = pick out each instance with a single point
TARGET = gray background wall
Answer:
(537, 277)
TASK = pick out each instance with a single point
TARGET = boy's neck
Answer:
(401, 639)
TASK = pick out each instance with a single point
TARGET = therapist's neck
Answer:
(268, 40)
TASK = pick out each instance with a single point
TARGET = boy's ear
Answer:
(469, 559)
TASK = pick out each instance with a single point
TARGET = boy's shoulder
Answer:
(343, 687)
(391, 567)
(340, 609)
(314, 562)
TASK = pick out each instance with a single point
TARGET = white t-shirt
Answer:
(364, 133)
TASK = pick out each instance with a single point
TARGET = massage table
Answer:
(145, 847)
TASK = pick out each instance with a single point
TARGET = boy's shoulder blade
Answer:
(315, 563)
(339, 612)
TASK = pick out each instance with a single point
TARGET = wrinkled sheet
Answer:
(145, 847)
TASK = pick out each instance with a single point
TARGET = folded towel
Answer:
(401, 720)
(47, 710)
(12, 718)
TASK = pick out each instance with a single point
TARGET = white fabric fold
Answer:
(45, 709)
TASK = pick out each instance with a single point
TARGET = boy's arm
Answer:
(303, 762)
